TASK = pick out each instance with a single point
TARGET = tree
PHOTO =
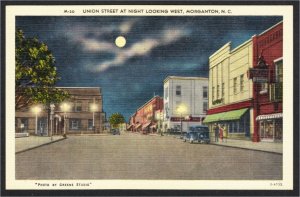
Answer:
(115, 119)
(35, 74)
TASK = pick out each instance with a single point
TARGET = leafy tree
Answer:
(35, 74)
(115, 119)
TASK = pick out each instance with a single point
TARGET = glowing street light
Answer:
(65, 107)
(94, 108)
(36, 110)
(181, 109)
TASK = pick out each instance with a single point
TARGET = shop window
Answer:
(235, 85)
(178, 90)
(42, 126)
(74, 124)
(204, 91)
(24, 121)
(267, 129)
(90, 124)
(278, 129)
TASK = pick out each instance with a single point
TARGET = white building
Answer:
(185, 102)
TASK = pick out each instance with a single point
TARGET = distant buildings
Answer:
(84, 115)
(185, 102)
(245, 87)
(144, 120)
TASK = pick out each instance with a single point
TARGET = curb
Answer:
(21, 151)
(247, 148)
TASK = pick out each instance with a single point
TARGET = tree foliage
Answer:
(115, 119)
(36, 73)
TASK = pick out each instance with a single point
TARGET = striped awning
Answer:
(153, 126)
(146, 125)
(269, 116)
(137, 126)
(130, 126)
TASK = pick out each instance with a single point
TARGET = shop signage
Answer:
(258, 75)
(191, 119)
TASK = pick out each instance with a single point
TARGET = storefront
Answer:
(270, 127)
(237, 122)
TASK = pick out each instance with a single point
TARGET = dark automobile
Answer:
(115, 131)
(198, 134)
(191, 137)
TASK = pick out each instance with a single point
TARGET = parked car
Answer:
(191, 137)
(115, 131)
(198, 134)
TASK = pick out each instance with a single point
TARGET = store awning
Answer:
(225, 116)
(269, 116)
(153, 126)
(146, 125)
(130, 126)
(138, 125)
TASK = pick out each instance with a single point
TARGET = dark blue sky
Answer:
(156, 47)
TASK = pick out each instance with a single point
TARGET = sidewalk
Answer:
(31, 142)
(245, 144)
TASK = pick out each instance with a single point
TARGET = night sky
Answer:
(157, 47)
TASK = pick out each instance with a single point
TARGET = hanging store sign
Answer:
(183, 119)
(258, 75)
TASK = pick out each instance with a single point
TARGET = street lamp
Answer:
(36, 110)
(181, 109)
(94, 108)
(65, 107)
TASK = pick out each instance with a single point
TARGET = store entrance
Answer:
(271, 130)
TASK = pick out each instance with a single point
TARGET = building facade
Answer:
(242, 91)
(185, 102)
(83, 113)
(230, 91)
(144, 120)
(267, 92)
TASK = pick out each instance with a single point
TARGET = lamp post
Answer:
(52, 107)
(94, 109)
(36, 110)
(182, 109)
(65, 107)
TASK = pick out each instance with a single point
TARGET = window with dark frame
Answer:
(178, 90)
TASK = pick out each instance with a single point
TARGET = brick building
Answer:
(84, 115)
(245, 87)
(144, 119)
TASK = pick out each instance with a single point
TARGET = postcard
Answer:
(149, 97)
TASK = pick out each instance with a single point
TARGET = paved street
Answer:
(135, 156)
